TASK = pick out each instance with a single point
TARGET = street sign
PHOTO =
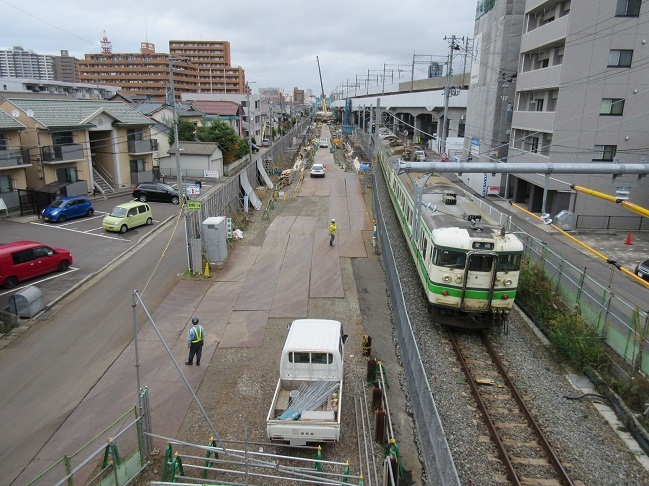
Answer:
(193, 189)
(444, 156)
(348, 129)
(228, 225)
(193, 205)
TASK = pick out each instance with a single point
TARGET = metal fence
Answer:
(622, 324)
(625, 223)
(113, 457)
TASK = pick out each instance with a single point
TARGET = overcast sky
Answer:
(275, 42)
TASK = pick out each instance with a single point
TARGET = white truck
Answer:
(306, 406)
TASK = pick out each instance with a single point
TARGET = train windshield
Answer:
(449, 258)
(509, 262)
(481, 263)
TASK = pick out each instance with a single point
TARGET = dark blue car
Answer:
(68, 207)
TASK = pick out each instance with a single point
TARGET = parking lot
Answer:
(91, 246)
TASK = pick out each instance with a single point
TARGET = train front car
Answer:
(468, 264)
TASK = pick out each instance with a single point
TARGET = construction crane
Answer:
(325, 113)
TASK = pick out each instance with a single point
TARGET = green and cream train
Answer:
(468, 264)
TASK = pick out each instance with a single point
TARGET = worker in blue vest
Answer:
(195, 338)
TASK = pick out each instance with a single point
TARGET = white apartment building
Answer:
(582, 96)
(22, 63)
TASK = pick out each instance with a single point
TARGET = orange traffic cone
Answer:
(628, 240)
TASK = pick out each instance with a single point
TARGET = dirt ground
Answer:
(239, 382)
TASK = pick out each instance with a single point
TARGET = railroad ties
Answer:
(522, 447)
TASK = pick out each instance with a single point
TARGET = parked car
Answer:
(265, 142)
(254, 148)
(156, 191)
(642, 270)
(317, 170)
(23, 260)
(68, 207)
(324, 142)
(129, 215)
(420, 154)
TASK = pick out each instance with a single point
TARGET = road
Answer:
(48, 370)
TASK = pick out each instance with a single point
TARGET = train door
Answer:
(479, 277)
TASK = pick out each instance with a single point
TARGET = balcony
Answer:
(553, 33)
(142, 146)
(535, 121)
(68, 152)
(14, 158)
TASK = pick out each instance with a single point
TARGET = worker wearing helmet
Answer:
(332, 232)
(195, 338)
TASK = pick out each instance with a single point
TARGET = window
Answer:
(134, 134)
(67, 175)
(3, 141)
(628, 8)
(604, 152)
(612, 106)
(5, 184)
(539, 104)
(481, 263)
(60, 138)
(138, 165)
(509, 263)
(620, 57)
(534, 144)
(448, 258)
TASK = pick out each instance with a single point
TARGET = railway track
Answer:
(522, 447)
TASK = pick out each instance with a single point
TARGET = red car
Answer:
(23, 260)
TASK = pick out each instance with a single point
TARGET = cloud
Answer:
(276, 43)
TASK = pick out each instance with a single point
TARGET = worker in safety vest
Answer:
(195, 338)
(332, 232)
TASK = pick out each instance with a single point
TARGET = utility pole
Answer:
(447, 90)
(179, 174)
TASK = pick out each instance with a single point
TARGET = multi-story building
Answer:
(298, 96)
(22, 63)
(145, 73)
(251, 118)
(581, 97)
(52, 142)
(73, 90)
(66, 68)
(212, 61)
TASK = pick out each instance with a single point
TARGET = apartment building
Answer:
(582, 96)
(23, 63)
(66, 67)
(212, 61)
(48, 143)
(146, 73)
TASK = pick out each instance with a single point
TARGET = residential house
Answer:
(197, 160)
(106, 144)
(13, 158)
(162, 114)
(227, 111)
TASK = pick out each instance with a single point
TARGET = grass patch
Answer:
(576, 343)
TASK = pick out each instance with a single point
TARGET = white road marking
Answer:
(58, 274)
(88, 232)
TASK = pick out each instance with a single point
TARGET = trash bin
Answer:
(27, 303)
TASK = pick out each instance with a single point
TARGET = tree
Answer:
(186, 131)
(232, 145)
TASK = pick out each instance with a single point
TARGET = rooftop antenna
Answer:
(146, 30)
(106, 45)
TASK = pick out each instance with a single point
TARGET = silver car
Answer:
(317, 170)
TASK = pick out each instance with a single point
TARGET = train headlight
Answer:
(447, 278)
(458, 279)
(508, 282)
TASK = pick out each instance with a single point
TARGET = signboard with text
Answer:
(193, 205)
